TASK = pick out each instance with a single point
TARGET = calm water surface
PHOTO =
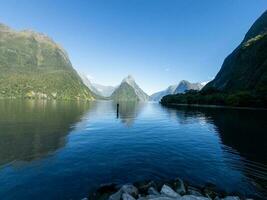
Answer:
(62, 150)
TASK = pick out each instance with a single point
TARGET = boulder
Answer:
(179, 186)
(192, 197)
(168, 191)
(152, 191)
(231, 198)
(115, 196)
(194, 191)
(162, 197)
(130, 189)
(126, 196)
(143, 186)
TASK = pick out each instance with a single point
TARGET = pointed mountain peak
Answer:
(130, 80)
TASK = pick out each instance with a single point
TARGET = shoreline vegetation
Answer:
(217, 99)
(175, 189)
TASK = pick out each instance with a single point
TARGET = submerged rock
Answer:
(168, 191)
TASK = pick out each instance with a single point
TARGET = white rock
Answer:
(192, 197)
(130, 189)
(126, 196)
(152, 191)
(231, 198)
(164, 198)
(115, 196)
(166, 190)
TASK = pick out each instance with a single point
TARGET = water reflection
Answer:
(242, 132)
(127, 112)
(32, 129)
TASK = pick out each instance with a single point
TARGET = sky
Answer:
(158, 42)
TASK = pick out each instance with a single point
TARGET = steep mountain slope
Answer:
(245, 69)
(158, 95)
(186, 85)
(128, 90)
(33, 66)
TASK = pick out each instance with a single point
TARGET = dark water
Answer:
(62, 150)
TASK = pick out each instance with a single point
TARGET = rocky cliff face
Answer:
(33, 66)
(245, 69)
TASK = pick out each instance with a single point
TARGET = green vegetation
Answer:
(125, 92)
(33, 66)
(215, 97)
(242, 80)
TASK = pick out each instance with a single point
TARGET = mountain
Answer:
(100, 90)
(33, 66)
(245, 69)
(89, 84)
(158, 95)
(128, 90)
(186, 85)
(105, 91)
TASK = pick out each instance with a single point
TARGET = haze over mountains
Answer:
(182, 87)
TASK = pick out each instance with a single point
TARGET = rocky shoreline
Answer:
(175, 189)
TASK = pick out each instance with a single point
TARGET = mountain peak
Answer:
(129, 79)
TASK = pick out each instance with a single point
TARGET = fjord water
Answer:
(63, 150)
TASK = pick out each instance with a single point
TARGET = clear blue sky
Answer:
(159, 42)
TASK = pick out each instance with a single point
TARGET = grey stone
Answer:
(193, 191)
(163, 197)
(130, 189)
(179, 186)
(192, 197)
(152, 191)
(116, 196)
(231, 198)
(166, 190)
(126, 196)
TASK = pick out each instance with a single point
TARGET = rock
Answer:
(130, 189)
(85, 198)
(103, 192)
(126, 196)
(163, 198)
(152, 191)
(179, 186)
(143, 186)
(217, 198)
(231, 198)
(166, 190)
(116, 196)
(192, 197)
(194, 191)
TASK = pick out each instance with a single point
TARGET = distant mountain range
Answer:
(242, 79)
(33, 66)
(98, 89)
(177, 89)
(128, 90)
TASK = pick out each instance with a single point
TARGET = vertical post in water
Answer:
(118, 105)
